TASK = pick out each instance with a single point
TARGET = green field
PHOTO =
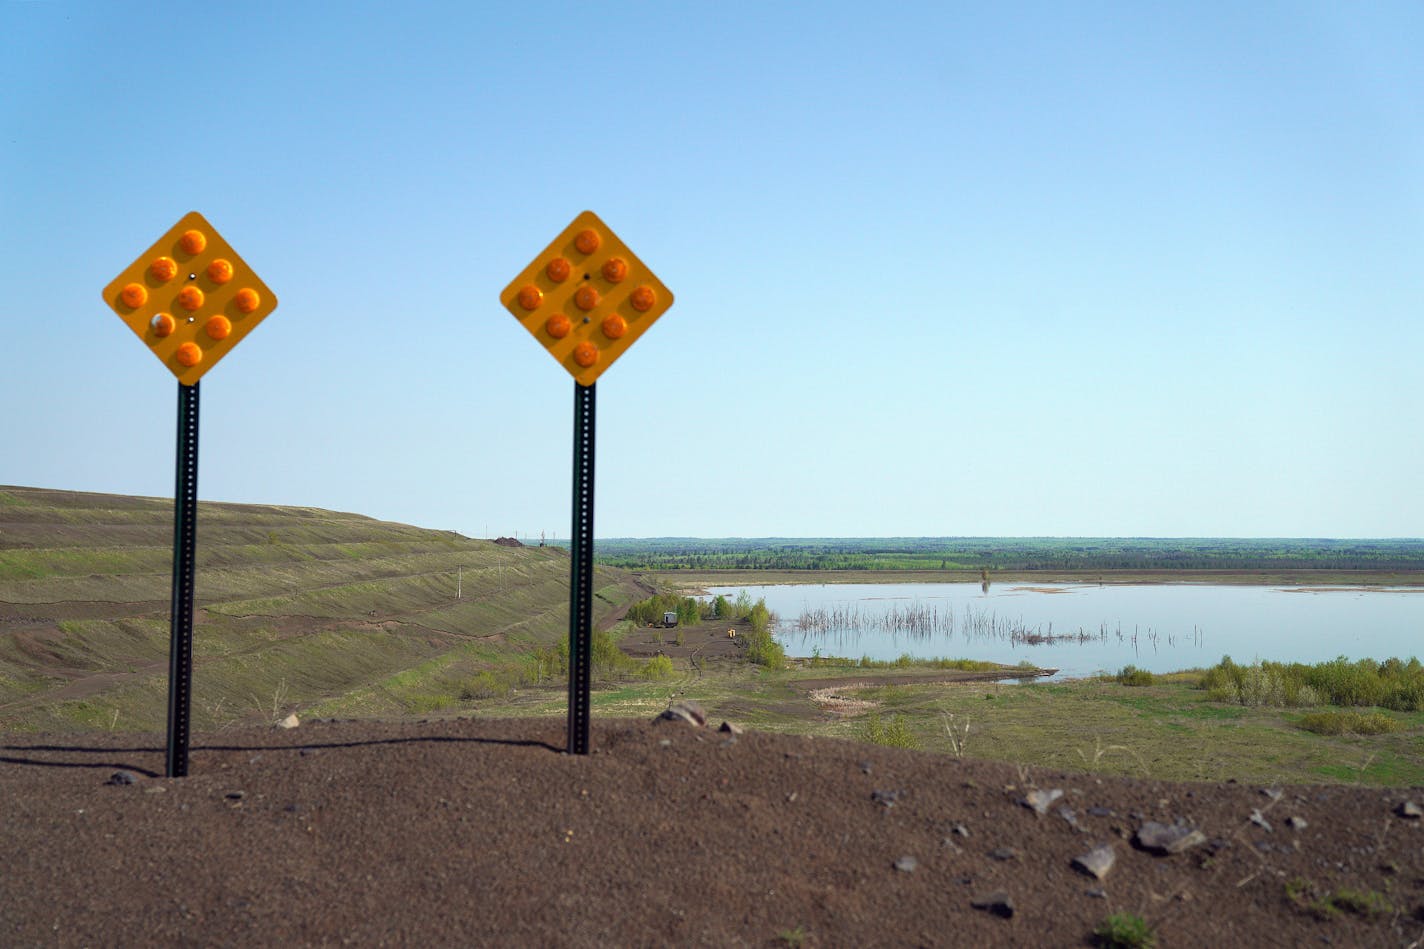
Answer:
(1170, 731)
(295, 607)
(1012, 554)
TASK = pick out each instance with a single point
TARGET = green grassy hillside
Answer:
(297, 608)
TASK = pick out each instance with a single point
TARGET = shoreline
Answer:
(694, 582)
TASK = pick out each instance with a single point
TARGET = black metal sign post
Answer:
(581, 582)
(185, 542)
(585, 324)
(217, 305)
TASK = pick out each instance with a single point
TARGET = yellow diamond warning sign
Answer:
(190, 298)
(586, 298)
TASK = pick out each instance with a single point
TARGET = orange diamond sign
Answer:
(586, 298)
(190, 298)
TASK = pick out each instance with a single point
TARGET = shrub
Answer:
(1131, 675)
(1275, 684)
(763, 650)
(549, 662)
(651, 610)
(608, 660)
(1358, 723)
(1394, 683)
(485, 684)
(894, 733)
(658, 667)
(760, 617)
(1348, 683)
(743, 605)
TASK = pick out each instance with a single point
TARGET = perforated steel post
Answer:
(581, 584)
(185, 542)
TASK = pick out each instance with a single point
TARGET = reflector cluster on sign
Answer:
(586, 298)
(190, 298)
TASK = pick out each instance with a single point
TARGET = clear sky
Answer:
(941, 268)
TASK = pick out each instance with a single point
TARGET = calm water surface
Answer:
(1082, 629)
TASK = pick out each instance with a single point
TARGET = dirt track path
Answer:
(910, 678)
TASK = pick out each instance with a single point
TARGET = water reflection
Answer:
(1083, 629)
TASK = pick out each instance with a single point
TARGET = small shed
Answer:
(670, 618)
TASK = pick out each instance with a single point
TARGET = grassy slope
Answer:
(296, 608)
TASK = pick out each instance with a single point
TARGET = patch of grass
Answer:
(793, 937)
(1357, 723)
(1124, 931)
(1306, 896)
(1360, 902)
(423, 703)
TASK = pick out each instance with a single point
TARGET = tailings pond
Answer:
(1084, 629)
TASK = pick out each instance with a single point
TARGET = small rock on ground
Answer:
(1096, 862)
(888, 798)
(907, 864)
(689, 712)
(122, 777)
(998, 902)
(291, 721)
(1041, 800)
(1168, 838)
(1409, 810)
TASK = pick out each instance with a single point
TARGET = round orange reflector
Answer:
(220, 271)
(558, 270)
(163, 325)
(247, 299)
(218, 327)
(189, 354)
(134, 294)
(530, 297)
(615, 269)
(193, 242)
(163, 269)
(643, 299)
(585, 354)
(587, 241)
(586, 298)
(558, 325)
(190, 298)
(615, 326)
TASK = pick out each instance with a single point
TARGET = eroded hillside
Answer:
(296, 608)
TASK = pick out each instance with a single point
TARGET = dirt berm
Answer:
(482, 832)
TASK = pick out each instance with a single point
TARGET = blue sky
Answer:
(1040, 269)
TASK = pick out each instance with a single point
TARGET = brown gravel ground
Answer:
(481, 832)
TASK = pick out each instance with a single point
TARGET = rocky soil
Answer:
(482, 832)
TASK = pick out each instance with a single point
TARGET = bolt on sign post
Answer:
(586, 298)
(190, 298)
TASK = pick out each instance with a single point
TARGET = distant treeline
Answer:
(1010, 553)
